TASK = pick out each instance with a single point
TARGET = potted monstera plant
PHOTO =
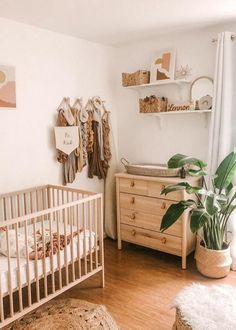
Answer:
(211, 209)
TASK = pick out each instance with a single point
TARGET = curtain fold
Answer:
(222, 139)
(222, 125)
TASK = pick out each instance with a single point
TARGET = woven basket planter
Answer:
(212, 263)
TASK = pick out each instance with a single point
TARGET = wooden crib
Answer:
(69, 223)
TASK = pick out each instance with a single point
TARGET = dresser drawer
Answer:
(147, 188)
(133, 186)
(146, 204)
(154, 190)
(148, 221)
(162, 242)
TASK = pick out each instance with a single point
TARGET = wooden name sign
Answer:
(178, 107)
(67, 138)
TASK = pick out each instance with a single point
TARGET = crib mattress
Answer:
(86, 239)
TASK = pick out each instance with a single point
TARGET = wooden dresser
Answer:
(140, 209)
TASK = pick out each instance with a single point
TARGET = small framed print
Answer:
(163, 66)
(7, 87)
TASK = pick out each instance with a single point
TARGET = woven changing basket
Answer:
(149, 170)
(152, 104)
(136, 78)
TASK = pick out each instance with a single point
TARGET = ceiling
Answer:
(116, 22)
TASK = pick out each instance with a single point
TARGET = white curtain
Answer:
(223, 129)
(223, 121)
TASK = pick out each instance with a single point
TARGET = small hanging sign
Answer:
(67, 138)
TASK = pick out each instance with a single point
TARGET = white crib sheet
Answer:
(84, 249)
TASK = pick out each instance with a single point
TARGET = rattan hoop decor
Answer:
(212, 263)
(160, 170)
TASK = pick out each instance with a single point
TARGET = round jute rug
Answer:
(65, 314)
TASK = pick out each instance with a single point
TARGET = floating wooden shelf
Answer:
(160, 83)
(167, 113)
(161, 115)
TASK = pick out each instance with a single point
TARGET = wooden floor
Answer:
(140, 286)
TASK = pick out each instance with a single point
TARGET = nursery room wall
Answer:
(150, 141)
(48, 66)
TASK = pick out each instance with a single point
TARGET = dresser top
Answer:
(168, 179)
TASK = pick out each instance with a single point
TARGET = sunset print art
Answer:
(163, 66)
(7, 87)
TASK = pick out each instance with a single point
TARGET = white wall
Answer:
(49, 66)
(141, 139)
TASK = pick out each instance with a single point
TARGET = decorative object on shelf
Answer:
(210, 212)
(178, 106)
(184, 72)
(152, 104)
(201, 90)
(137, 78)
(7, 87)
(163, 66)
(205, 102)
(150, 169)
(197, 105)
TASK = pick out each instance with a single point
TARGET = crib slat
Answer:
(78, 239)
(65, 219)
(59, 251)
(44, 259)
(36, 261)
(90, 234)
(72, 242)
(27, 264)
(18, 269)
(9, 273)
(84, 239)
(51, 255)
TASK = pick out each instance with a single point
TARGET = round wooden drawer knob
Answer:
(132, 184)
(133, 216)
(163, 240)
(133, 232)
(132, 200)
(163, 206)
